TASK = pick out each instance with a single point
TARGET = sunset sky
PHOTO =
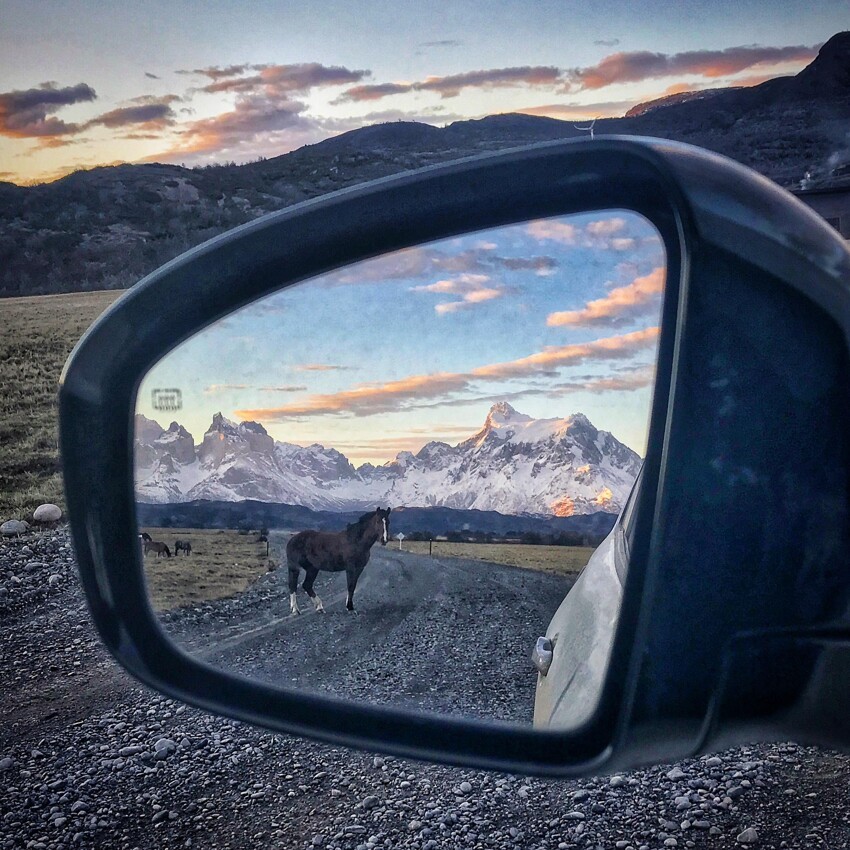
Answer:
(187, 82)
(556, 316)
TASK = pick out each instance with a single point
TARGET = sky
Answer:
(555, 316)
(93, 83)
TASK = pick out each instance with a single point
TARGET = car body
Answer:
(581, 632)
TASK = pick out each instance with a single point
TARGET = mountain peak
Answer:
(501, 413)
(221, 423)
(829, 73)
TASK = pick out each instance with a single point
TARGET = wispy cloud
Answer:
(216, 389)
(151, 76)
(286, 388)
(452, 84)
(148, 113)
(620, 305)
(417, 263)
(472, 289)
(635, 66)
(322, 367)
(375, 91)
(268, 110)
(275, 80)
(29, 113)
(369, 399)
(251, 117)
(610, 42)
(628, 381)
(444, 42)
(604, 234)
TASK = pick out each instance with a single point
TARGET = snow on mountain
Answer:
(515, 464)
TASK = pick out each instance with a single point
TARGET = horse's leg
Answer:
(351, 576)
(293, 588)
(308, 589)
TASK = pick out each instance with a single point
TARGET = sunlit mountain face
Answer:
(513, 464)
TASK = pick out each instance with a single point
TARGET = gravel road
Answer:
(88, 758)
(448, 635)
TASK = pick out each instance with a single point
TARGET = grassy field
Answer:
(563, 560)
(37, 336)
(223, 563)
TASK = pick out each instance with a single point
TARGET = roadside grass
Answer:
(37, 337)
(223, 563)
(560, 560)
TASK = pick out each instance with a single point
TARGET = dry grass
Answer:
(223, 563)
(561, 560)
(37, 336)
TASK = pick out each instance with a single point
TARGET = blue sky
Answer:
(95, 83)
(556, 316)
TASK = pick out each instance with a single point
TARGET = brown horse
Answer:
(334, 551)
(157, 547)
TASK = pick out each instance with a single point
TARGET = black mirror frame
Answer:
(682, 191)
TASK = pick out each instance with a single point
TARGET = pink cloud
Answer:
(634, 66)
(369, 399)
(621, 304)
(29, 113)
(452, 84)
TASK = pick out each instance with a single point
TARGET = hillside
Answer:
(107, 227)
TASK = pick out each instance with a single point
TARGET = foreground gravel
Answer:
(90, 759)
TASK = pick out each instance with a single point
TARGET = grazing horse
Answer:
(334, 551)
(182, 546)
(157, 547)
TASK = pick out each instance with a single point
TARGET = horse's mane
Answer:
(356, 529)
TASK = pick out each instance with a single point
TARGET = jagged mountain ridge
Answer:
(107, 227)
(514, 465)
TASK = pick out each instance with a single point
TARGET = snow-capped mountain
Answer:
(514, 465)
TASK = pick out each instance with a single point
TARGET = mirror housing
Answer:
(748, 456)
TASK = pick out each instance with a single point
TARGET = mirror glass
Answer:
(382, 483)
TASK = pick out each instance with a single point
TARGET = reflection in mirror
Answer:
(382, 483)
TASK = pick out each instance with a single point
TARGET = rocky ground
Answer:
(90, 759)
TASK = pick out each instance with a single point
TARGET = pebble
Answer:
(748, 836)
(120, 772)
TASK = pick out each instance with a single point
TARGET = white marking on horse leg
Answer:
(318, 603)
(293, 605)
(386, 536)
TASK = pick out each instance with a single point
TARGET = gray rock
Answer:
(465, 787)
(675, 775)
(165, 744)
(14, 527)
(47, 513)
(6, 763)
(748, 836)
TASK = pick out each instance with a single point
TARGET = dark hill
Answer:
(108, 227)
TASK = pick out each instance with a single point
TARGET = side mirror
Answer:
(715, 612)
